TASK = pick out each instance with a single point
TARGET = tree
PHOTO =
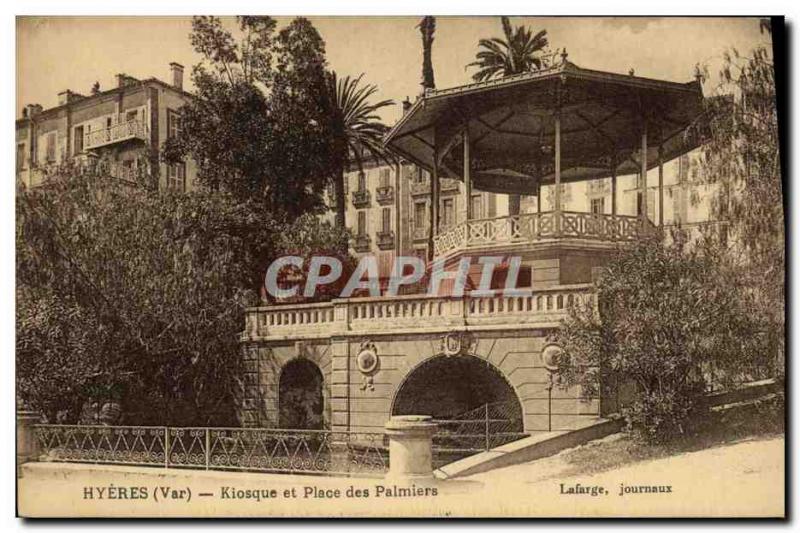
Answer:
(740, 158)
(258, 124)
(519, 51)
(303, 144)
(427, 28)
(669, 320)
(357, 131)
(140, 294)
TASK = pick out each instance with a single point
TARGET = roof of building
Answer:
(511, 125)
(87, 99)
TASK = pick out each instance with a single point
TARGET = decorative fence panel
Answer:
(248, 449)
(478, 430)
(531, 227)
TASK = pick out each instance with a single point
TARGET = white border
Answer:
(315, 7)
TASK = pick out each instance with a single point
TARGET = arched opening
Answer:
(467, 394)
(300, 396)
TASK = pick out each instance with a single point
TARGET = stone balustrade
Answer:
(354, 316)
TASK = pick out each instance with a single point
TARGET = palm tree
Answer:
(520, 51)
(357, 131)
(427, 28)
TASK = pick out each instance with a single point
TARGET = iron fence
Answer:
(246, 449)
(474, 431)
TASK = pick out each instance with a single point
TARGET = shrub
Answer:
(667, 320)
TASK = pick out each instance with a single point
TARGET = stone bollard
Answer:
(27, 445)
(410, 447)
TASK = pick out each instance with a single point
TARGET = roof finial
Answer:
(564, 55)
(631, 72)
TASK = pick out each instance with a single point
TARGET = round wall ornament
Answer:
(550, 355)
(367, 358)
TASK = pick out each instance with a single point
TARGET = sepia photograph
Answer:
(400, 267)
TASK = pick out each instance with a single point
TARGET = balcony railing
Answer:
(361, 198)
(41, 175)
(385, 240)
(122, 131)
(533, 227)
(420, 233)
(384, 195)
(420, 188)
(546, 306)
(361, 243)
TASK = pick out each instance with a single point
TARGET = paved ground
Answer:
(745, 477)
(740, 479)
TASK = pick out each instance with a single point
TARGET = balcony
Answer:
(385, 240)
(361, 199)
(538, 227)
(544, 307)
(361, 243)
(80, 166)
(122, 131)
(422, 188)
(384, 195)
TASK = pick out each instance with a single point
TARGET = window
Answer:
(20, 156)
(362, 182)
(448, 212)
(173, 124)
(176, 177)
(362, 223)
(50, 147)
(130, 116)
(386, 219)
(384, 177)
(598, 206)
(476, 207)
(419, 214)
(77, 143)
(128, 170)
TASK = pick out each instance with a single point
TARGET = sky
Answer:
(58, 53)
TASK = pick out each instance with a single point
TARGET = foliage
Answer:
(258, 126)
(137, 291)
(520, 50)
(669, 320)
(357, 131)
(306, 237)
(740, 158)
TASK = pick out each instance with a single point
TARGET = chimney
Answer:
(176, 69)
(33, 110)
(121, 79)
(67, 96)
(406, 105)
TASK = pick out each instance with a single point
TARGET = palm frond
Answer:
(519, 51)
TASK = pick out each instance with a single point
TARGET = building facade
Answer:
(388, 209)
(125, 127)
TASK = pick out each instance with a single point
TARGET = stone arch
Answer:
(301, 395)
(447, 387)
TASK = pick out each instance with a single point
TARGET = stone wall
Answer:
(356, 401)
